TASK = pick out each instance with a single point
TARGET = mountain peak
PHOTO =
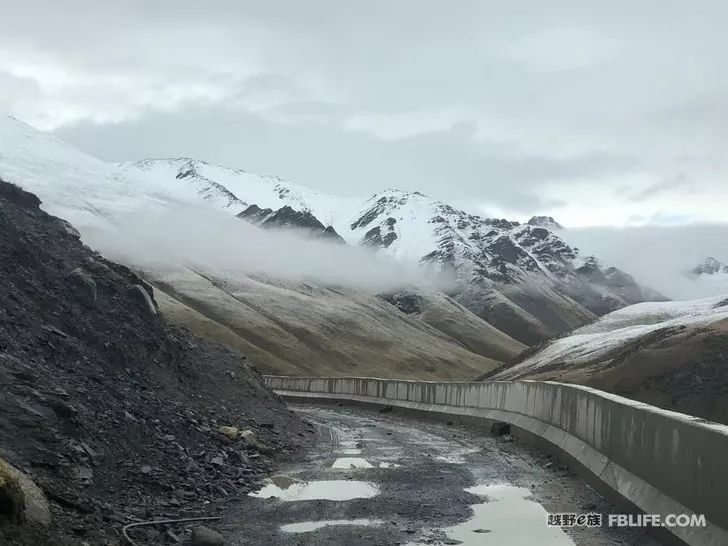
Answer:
(544, 221)
(288, 217)
(710, 266)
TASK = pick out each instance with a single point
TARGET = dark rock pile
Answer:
(115, 415)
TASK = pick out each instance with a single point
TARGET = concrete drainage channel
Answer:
(651, 460)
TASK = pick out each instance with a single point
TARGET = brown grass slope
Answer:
(300, 329)
(683, 369)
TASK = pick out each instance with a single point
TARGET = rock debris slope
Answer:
(114, 414)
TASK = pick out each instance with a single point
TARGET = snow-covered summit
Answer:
(711, 266)
(544, 221)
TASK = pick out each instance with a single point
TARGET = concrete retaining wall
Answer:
(660, 461)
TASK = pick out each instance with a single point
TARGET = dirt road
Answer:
(377, 478)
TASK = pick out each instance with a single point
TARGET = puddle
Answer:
(308, 526)
(353, 451)
(388, 465)
(351, 462)
(457, 456)
(288, 489)
(508, 517)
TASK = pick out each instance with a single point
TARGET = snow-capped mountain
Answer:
(710, 266)
(671, 354)
(521, 278)
(524, 279)
(708, 277)
(544, 221)
(235, 189)
(284, 325)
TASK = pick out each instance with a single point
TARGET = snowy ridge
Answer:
(194, 183)
(527, 268)
(72, 185)
(424, 229)
(235, 189)
(711, 266)
(709, 277)
(517, 277)
(599, 339)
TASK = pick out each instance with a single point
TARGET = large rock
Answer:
(138, 293)
(231, 432)
(500, 428)
(83, 284)
(20, 498)
(204, 536)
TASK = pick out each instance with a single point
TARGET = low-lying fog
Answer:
(159, 239)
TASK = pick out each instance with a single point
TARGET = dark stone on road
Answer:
(500, 428)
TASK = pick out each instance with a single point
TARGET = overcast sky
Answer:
(598, 113)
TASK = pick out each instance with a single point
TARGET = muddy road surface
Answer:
(384, 478)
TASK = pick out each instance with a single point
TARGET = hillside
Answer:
(298, 328)
(103, 405)
(522, 279)
(670, 354)
(508, 284)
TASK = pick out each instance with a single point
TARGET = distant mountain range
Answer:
(514, 284)
(521, 278)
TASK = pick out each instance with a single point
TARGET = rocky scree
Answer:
(115, 415)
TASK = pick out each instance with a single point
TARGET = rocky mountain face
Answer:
(286, 217)
(523, 279)
(115, 415)
(545, 222)
(710, 266)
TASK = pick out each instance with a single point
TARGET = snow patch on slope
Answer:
(618, 328)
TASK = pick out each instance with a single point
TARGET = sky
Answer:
(597, 113)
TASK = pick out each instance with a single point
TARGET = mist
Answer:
(659, 256)
(162, 240)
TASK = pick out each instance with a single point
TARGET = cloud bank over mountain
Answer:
(212, 241)
(660, 256)
(564, 108)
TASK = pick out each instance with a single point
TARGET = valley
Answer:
(363, 274)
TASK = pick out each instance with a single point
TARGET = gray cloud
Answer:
(660, 256)
(327, 157)
(680, 182)
(520, 105)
